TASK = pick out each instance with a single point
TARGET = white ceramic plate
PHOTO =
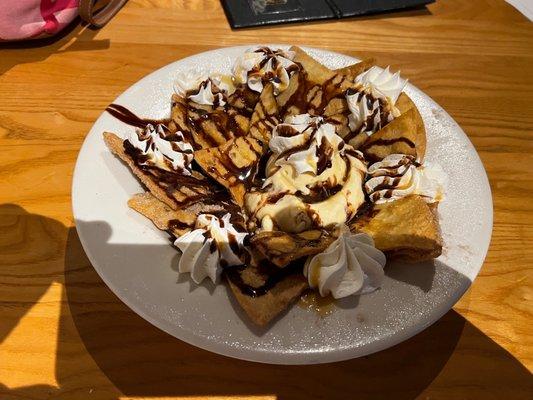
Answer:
(138, 264)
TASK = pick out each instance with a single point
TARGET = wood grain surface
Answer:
(64, 335)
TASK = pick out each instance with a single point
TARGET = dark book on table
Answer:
(246, 13)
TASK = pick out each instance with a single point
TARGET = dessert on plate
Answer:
(286, 176)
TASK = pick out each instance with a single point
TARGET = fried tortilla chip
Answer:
(404, 103)
(178, 117)
(265, 116)
(405, 229)
(403, 135)
(174, 190)
(358, 68)
(232, 164)
(162, 215)
(265, 308)
(282, 248)
(294, 90)
(244, 99)
(317, 89)
(206, 125)
(179, 222)
(316, 72)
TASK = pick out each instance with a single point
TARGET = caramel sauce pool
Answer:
(311, 300)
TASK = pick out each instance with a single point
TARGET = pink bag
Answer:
(32, 19)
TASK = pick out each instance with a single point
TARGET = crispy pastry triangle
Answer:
(406, 229)
(179, 222)
(323, 91)
(178, 117)
(404, 103)
(161, 214)
(316, 72)
(403, 135)
(244, 99)
(174, 190)
(208, 126)
(265, 116)
(357, 68)
(263, 309)
(282, 248)
(294, 90)
(232, 164)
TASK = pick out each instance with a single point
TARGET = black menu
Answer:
(246, 13)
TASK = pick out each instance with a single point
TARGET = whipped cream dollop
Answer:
(372, 105)
(306, 134)
(399, 175)
(162, 149)
(205, 90)
(258, 66)
(350, 265)
(382, 83)
(213, 245)
(313, 178)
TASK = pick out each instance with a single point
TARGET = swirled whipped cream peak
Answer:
(203, 89)
(305, 142)
(382, 83)
(372, 105)
(400, 175)
(213, 245)
(258, 66)
(313, 179)
(162, 149)
(351, 265)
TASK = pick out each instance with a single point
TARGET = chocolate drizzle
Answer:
(324, 153)
(390, 179)
(388, 142)
(379, 116)
(215, 126)
(319, 193)
(271, 56)
(273, 277)
(128, 117)
(176, 224)
(236, 175)
(219, 96)
(171, 182)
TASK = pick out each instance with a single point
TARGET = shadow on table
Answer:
(75, 37)
(142, 361)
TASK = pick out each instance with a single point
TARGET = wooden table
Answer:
(64, 335)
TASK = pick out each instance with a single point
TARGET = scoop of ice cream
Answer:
(312, 179)
(162, 149)
(350, 265)
(258, 66)
(399, 175)
(212, 246)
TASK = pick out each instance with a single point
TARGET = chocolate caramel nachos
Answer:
(286, 176)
